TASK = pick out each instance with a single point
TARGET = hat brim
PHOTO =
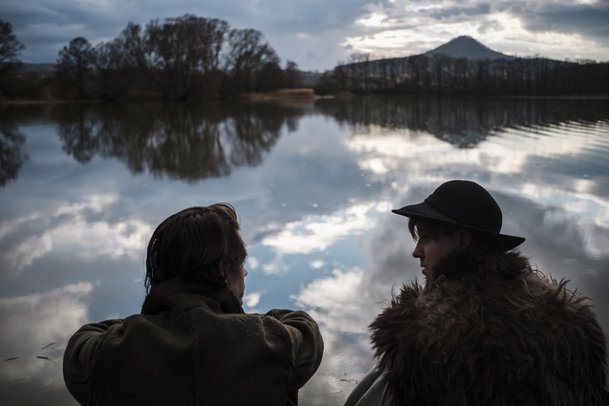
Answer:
(426, 211)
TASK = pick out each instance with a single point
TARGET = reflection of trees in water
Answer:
(78, 137)
(252, 131)
(12, 151)
(182, 140)
(463, 122)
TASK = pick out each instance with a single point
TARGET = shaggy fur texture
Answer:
(491, 331)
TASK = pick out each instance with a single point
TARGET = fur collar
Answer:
(491, 330)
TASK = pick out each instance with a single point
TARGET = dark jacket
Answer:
(193, 345)
(488, 331)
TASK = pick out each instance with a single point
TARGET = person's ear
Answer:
(223, 272)
(464, 238)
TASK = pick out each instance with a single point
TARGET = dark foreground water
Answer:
(83, 186)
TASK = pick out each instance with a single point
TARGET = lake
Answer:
(82, 187)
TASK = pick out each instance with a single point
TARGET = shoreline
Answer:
(306, 94)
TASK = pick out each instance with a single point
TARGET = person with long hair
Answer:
(192, 343)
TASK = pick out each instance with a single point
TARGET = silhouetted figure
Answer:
(192, 344)
(486, 329)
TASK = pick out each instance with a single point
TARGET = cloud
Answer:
(71, 228)
(345, 302)
(317, 233)
(317, 264)
(38, 23)
(588, 19)
(343, 307)
(459, 13)
(39, 325)
(338, 300)
(252, 299)
(522, 28)
(252, 263)
(317, 34)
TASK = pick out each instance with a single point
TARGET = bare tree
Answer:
(185, 48)
(10, 48)
(135, 48)
(292, 74)
(246, 55)
(75, 63)
(110, 69)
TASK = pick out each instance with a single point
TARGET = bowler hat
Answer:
(466, 204)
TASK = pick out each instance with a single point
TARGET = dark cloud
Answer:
(312, 33)
(588, 19)
(459, 12)
(44, 27)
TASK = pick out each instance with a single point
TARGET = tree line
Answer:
(187, 57)
(440, 74)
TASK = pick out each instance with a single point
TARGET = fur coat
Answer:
(491, 331)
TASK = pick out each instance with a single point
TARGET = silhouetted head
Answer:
(463, 204)
(199, 244)
(458, 215)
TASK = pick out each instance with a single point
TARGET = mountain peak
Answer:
(467, 47)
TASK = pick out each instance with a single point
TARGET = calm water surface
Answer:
(83, 186)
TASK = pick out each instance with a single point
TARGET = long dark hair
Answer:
(199, 244)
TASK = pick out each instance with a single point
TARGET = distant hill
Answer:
(467, 47)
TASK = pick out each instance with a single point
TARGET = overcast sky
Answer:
(317, 34)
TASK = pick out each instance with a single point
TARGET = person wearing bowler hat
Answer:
(486, 328)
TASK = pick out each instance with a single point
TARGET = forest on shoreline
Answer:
(440, 74)
(183, 58)
(197, 58)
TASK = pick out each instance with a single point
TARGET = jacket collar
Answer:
(174, 292)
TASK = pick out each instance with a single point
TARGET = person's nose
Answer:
(418, 251)
(244, 272)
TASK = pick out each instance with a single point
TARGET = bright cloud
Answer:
(376, 19)
(317, 233)
(39, 325)
(252, 263)
(343, 304)
(340, 301)
(404, 28)
(68, 229)
(318, 34)
(252, 299)
(317, 264)
(506, 152)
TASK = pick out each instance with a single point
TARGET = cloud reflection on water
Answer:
(69, 228)
(35, 330)
(314, 188)
(346, 303)
(566, 236)
(319, 232)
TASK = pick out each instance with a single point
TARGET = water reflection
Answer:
(35, 348)
(313, 186)
(12, 152)
(348, 300)
(185, 141)
(198, 141)
(462, 122)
